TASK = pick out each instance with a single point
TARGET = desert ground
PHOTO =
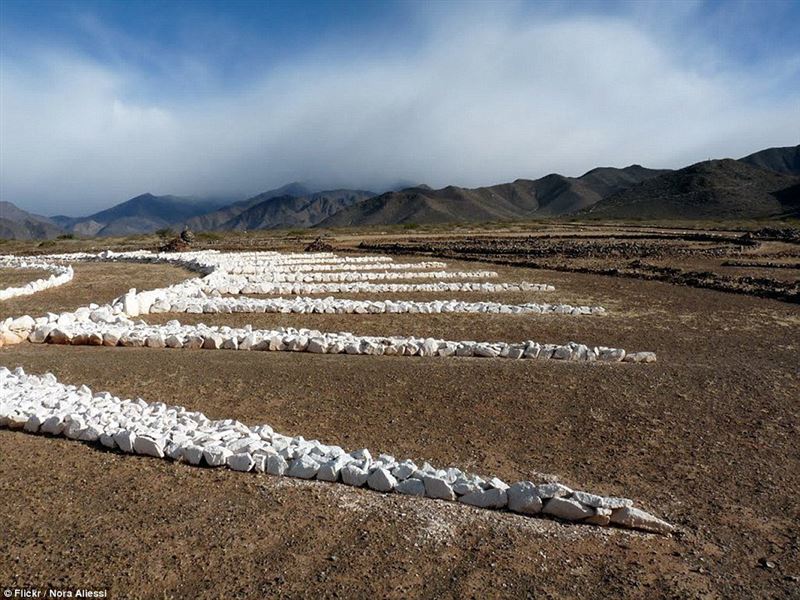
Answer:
(706, 438)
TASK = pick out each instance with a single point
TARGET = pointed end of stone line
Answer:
(635, 518)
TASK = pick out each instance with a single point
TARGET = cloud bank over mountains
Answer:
(478, 99)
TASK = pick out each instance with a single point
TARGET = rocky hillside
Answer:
(295, 212)
(524, 198)
(216, 219)
(143, 214)
(782, 160)
(716, 189)
(18, 224)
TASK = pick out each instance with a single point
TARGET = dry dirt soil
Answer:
(707, 438)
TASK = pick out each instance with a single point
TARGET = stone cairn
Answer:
(319, 245)
(187, 235)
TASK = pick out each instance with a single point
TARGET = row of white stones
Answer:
(43, 405)
(223, 273)
(99, 325)
(277, 276)
(59, 276)
(288, 339)
(179, 303)
(297, 267)
(226, 285)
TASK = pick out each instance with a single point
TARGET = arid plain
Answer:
(706, 437)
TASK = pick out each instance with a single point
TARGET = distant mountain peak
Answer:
(710, 189)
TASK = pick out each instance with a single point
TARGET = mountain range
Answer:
(763, 184)
(706, 190)
(17, 224)
(552, 195)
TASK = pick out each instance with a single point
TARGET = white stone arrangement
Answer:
(298, 289)
(42, 405)
(111, 324)
(93, 330)
(176, 302)
(60, 275)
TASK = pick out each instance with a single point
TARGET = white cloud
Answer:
(482, 101)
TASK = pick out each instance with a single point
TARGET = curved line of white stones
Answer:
(228, 286)
(352, 276)
(221, 269)
(59, 276)
(286, 339)
(109, 325)
(43, 405)
(180, 303)
(319, 268)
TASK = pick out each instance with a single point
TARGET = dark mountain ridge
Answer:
(550, 195)
(215, 220)
(145, 213)
(781, 160)
(716, 189)
(764, 184)
(19, 224)
(289, 211)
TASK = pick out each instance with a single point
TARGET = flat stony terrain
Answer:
(705, 438)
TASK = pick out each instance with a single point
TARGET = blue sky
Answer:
(103, 100)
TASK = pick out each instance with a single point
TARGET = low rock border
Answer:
(60, 275)
(42, 405)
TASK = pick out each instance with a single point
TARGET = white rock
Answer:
(524, 499)
(381, 480)
(53, 425)
(437, 487)
(497, 483)
(601, 501)
(331, 469)
(216, 456)
(32, 424)
(411, 487)
(639, 519)
(241, 462)
(173, 451)
(276, 465)
(404, 470)
(303, 467)
(148, 446)
(40, 333)
(569, 510)
(552, 490)
(107, 441)
(193, 454)
(125, 440)
(353, 475)
(491, 498)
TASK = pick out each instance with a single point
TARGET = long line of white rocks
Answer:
(60, 275)
(294, 267)
(229, 285)
(110, 325)
(288, 339)
(254, 273)
(42, 405)
(351, 276)
(182, 300)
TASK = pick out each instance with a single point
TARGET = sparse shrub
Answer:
(47, 244)
(410, 225)
(208, 236)
(165, 233)
(66, 236)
